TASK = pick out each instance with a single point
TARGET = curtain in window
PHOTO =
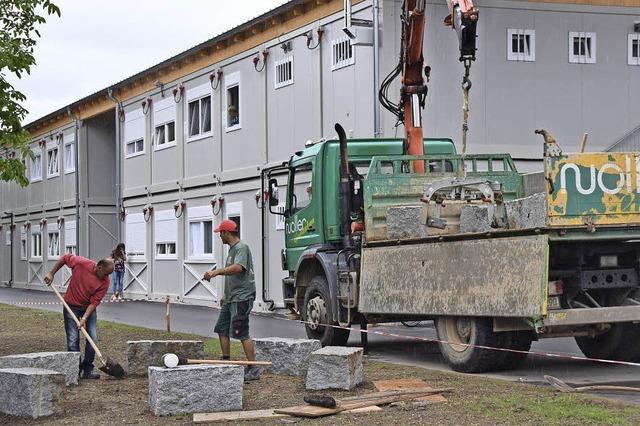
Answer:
(206, 114)
(194, 118)
(195, 239)
(69, 161)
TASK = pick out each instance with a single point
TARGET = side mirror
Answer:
(273, 193)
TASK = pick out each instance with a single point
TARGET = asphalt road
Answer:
(200, 320)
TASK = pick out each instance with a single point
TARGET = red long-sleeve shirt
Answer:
(85, 288)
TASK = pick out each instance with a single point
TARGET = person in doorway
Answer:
(119, 257)
(88, 285)
(239, 294)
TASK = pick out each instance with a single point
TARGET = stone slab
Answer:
(335, 367)
(29, 392)
(476, 217)
(195, 389)
(406, 222)
(142, 354)
(66, 363)
(289, 356)
(526, 213)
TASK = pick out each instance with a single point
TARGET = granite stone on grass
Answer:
(29, 392)
(335, 367)
(66, 363)
(195, 388)
(288, 356)
(142, 354)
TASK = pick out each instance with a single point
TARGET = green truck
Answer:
(494, 257)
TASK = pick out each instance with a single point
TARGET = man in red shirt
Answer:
(89, 283)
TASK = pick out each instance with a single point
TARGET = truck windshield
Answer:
(302, 192)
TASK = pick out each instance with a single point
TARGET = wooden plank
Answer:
(312, 411)
(409, 384)
(237, 416)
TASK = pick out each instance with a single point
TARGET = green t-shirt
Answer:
(242, 286)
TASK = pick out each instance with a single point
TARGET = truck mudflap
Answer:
(592, 316)
(498, 277)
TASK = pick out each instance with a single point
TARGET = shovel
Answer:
(109, 366)
(173, 360)
(563, 387)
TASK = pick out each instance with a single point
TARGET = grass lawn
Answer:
(475, 400)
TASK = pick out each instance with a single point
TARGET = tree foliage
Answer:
(18, 33)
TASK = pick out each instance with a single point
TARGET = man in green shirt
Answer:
(239, 294)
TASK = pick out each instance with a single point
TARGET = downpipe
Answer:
(118, 154)
(11, 248)
(76, 140)
(272, 304)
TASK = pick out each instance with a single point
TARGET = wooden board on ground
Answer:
(237, 416)
(409, 384)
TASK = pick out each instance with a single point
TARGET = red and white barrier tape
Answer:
(555, 355)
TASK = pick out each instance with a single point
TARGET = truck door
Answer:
(303, 225)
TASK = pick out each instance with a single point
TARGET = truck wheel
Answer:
(473, 331)
(629, 347)
(318, 311)
(603, 346)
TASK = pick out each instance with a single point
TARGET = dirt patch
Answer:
(476, 401)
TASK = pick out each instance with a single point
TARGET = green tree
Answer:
(18, 33)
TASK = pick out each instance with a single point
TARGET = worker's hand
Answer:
(221, 302)
(210, 274)
(83, 323)
(48, 279)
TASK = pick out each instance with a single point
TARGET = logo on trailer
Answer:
(596, 177)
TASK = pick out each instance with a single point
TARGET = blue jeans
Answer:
(73, 337)
(118, 281)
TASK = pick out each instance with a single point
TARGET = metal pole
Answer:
(376, 68)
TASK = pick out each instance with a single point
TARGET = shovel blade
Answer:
(112, 368)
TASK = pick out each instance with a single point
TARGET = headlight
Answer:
(608, 261)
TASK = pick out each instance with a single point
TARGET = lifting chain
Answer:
(466, 86)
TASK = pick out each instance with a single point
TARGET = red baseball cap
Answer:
(227, 225)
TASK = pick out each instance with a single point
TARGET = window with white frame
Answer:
(136, 235)
(166, 234)
(634, 49)
(36, 242)
(234, 213)
(582, 48)
(342, 53)
(284, 72)
(69, 153)
(53, 163)
(521, 45)
(134, 127)
(36, 166)
(70, 236)
(53, 239)
(23, 244)
(200, 232)
(8, 238)
(232, 101)
(164, 119)
(198, 114)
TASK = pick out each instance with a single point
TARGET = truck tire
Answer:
(629, 347)
(603, 346)
(472, 331)
(318, 311)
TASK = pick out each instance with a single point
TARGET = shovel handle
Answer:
(82, 330)
(220, 361)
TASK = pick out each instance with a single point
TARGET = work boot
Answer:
(89, 375)
(252, 373)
